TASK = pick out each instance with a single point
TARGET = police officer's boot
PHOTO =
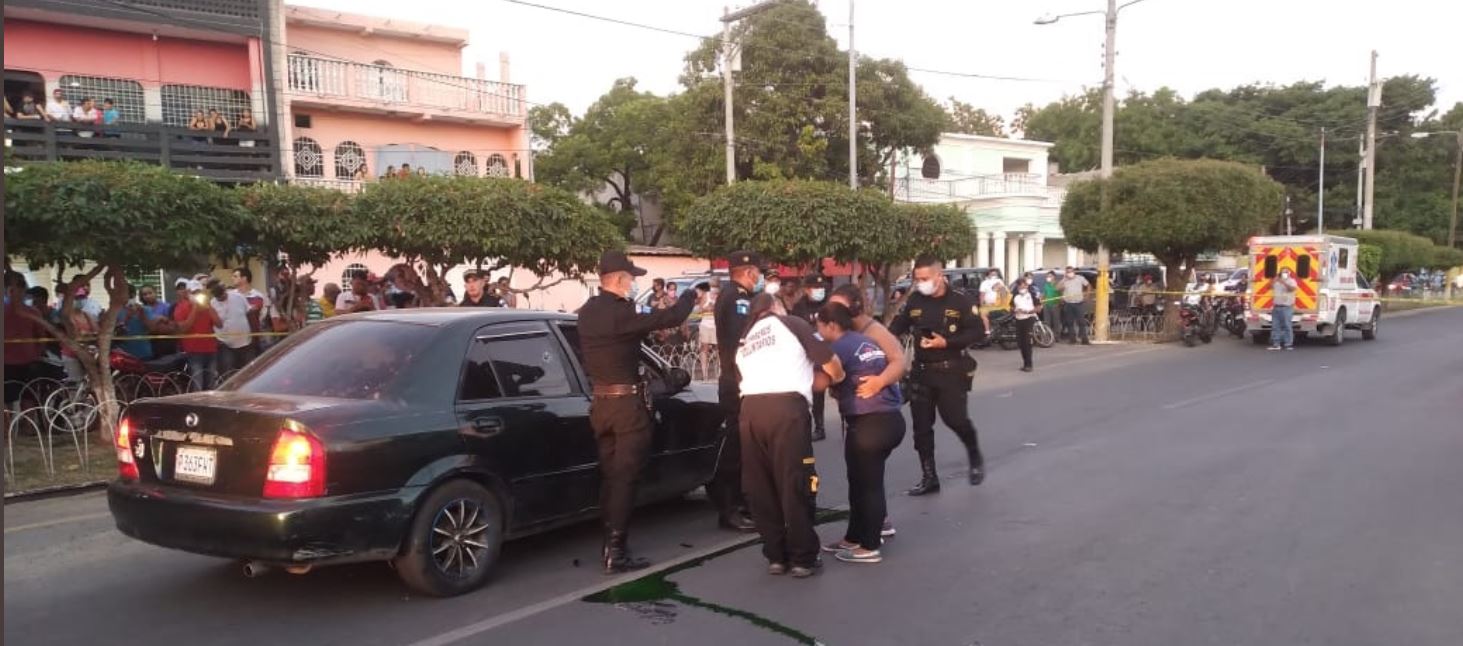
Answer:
(819, 433)
(929, 481)
(617, 558)
(977, 465)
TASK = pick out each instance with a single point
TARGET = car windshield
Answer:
(360, 359)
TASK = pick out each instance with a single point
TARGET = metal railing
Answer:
(324, 77)
(920, 189)
(343, 185)
(243, 156)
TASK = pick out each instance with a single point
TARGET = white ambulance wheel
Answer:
(1338, 331)
(1369, 332)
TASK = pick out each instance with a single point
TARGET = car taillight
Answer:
(126, 465)
(296, 465)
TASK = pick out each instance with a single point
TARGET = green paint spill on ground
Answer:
(659, 589)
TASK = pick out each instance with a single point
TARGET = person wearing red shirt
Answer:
(197, 319)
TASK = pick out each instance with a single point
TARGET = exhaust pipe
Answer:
(256, 569)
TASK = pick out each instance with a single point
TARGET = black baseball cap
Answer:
(815, 280)
(744, 259)
(612, 261)
(472, 274)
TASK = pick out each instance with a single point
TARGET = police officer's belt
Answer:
(617, 390)
(953, 364)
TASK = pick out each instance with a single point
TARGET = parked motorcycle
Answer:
(1194, 324)
(1003, 332)
(135, 378)
(1231, 312)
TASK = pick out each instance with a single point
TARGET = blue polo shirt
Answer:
(861, 356)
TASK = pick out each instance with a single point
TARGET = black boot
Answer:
(736, 520)
(617, 558)
(819, 433)
(977, 465)
(929, 481)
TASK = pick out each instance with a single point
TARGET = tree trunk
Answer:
(1172, 298)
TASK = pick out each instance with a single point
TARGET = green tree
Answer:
(308, 225)
(433, 223)
(1402, 251)
(610, 146)
(1369, 262)
(548, 123)
(1172, 209)
(966, 118)
(799, 222)
(121, 216)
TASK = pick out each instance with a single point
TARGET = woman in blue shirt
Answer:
(875, 427)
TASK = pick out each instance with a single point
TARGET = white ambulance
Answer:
(1332, 296)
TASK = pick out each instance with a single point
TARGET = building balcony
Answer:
(377, 89)
(242, 157)
(962, 189)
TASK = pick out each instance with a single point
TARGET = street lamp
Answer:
(1457, 177)
(1099, 316)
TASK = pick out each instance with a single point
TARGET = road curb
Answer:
(57, 491)
(1419, 310)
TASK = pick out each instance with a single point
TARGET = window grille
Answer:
(349, 158)
(350, 271)
(126, 94)
(465, 163)
(232, 8)
(309, 160)
(498, 166)
(181, 101)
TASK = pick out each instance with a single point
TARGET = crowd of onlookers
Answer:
(86, 112)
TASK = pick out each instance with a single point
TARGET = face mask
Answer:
(634, 291)
(759, 285)
(771, 288)
(29, 302)
(926, 287)
(819, 294)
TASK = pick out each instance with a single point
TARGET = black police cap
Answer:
(744, 259)
(613, 260)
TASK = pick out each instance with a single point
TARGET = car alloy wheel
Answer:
(460, 538)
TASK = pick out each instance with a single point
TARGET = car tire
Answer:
(1369, 333)
(454, 541)
(1338, 331)
(1259, 338)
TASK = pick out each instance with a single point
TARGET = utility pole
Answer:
(1373, 102)
(1360, 178)
(1457, 178)
(1100, 313)
(727, 57)
(726, 83)
(1321, 187)
(852, 105)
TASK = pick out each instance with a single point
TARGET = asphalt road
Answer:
(1138, 495)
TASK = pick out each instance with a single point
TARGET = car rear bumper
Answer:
(335, 529)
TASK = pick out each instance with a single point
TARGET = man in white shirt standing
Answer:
(236, 349)
(258, 304)
(990, 288)
(58, 110)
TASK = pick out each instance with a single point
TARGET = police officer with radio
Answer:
(944, 322)
(610, 333)
(730, 313)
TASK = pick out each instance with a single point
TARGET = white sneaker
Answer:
(888, 530)
(859, 555)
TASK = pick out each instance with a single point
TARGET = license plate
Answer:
(195, 464)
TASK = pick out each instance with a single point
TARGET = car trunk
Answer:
(218, 441)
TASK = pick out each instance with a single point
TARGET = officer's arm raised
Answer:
(659, 319)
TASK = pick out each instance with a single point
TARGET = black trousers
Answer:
(944, 392)
(820, 401)
(622, 428)
(1072, 326)
(1023, 338)
(866, 447)
(779, 476)
(725, 488)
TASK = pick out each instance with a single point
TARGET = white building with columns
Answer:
(1002, 184)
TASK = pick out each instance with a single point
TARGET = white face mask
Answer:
(771, 288)
(819, 294)
(926, 287)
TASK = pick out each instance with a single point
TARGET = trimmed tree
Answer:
(802, 222)
(435, 222)
(121, 216)
(1173, 209)
(308, 225)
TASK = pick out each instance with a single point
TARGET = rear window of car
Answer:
(361, 359)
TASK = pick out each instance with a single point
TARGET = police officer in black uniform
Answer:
(944, 322)
(814, 296)
(745, 281)
(610, 333)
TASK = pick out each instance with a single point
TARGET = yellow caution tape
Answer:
(151, 337)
